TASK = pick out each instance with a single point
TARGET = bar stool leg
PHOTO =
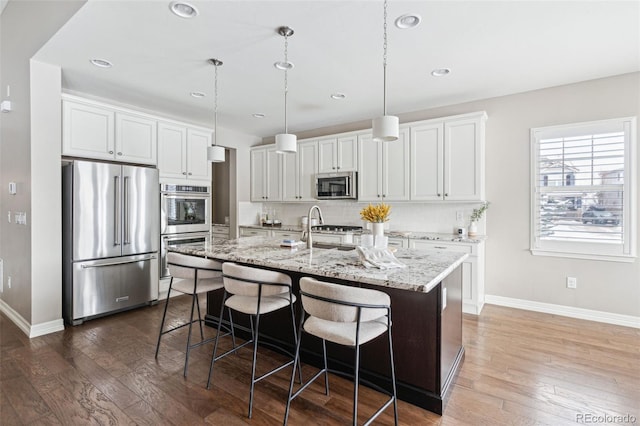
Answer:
(296, 360)
(393, 378)
(215, 346)
(186, 360)
(164, 316)
(253, 364)
(199, 316)
(356, 382)
(326, 369)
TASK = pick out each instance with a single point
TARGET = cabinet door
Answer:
(290, 176)
(197, 165)
(463, 160)
(370, 167)
(395, 168)
(307, 170)
(273, 175)
(135, 139)
(172, 161)
(327, 160)
(258, 174)
(347, 154)
(87, 131)
(426, 162)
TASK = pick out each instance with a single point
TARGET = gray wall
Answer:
(511, 270)
(25, 26)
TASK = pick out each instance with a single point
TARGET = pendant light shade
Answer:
(286, 143)
(215, 153)
(387, 127)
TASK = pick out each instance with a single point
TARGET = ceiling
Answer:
(493, 48)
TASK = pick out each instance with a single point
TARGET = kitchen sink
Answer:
(340, 247)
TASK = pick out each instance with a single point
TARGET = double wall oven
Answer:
(185, 217)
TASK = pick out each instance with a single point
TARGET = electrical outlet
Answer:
(9, 282)
(9, 216)
(459, 216)
(572, 282)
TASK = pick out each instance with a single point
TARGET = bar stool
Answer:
(347, 316)
(255, 292)
(199, 275)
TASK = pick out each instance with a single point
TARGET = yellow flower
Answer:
(377, 213)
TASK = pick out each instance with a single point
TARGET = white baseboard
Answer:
(565, 311)
(28, 329)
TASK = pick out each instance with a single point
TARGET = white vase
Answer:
(377, 229)
(473, 228)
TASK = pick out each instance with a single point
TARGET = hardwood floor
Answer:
(521, 368)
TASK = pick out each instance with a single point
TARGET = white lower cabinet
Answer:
(472, 270)
(247, 231)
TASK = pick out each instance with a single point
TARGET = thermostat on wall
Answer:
(12, 188)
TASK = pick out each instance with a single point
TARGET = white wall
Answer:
(25, 26)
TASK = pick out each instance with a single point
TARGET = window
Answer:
(583, 190)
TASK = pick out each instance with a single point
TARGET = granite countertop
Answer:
(431, 236)
(425, 268)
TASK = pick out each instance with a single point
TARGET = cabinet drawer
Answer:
(252, 232)
(433, 245)
(217, 229)
(291, 235)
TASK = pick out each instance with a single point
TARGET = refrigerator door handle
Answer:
(116, 211)
(125, 212)
(142, 259)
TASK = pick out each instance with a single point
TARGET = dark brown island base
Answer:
(426, 310)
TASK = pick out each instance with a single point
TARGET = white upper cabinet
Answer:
(97, 131)
(338, 154)
(447, 159)
(383, 168)
(136, 139)
(88, 131)
(182, 153)
(298, 172)
(266, 174)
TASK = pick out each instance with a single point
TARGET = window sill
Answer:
(584, 256)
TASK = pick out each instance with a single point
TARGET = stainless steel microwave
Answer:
(337, 186)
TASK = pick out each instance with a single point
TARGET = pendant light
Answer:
(285, 142)
(386, 127)
(215, 153)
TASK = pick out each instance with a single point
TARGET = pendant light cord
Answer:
(384, 62)
(215, 107)
(286, 82)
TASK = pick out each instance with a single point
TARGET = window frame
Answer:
(623, 252)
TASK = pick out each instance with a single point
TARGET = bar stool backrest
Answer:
(319, 300)
(245, 280)
(184, 266)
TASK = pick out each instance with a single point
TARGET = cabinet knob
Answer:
(446, 194)
(384, 195)
(110, 152)
(338, 167)
(184, 173)
(439, 194)
(378, 195)
(189, 173)
(333, 168)
(119, 153)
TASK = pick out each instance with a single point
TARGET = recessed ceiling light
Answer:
(198, 94)
(282, 65)
(258, 115)
(409, 20)
(183, 10)
(440, 72)
(338, 96)
(102, 63)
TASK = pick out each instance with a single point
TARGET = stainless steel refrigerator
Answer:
(111, 235)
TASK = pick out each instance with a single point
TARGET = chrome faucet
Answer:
(320, 219)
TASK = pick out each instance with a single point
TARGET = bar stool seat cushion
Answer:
(249, 304)
(204, 285)
(344, 333)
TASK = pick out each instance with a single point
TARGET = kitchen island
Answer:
(426, 303)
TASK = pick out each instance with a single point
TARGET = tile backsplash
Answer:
(405, 216)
